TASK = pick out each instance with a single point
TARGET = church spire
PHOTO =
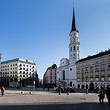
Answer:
(74, 28)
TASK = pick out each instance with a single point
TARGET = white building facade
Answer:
(66, 73)
(17, 72)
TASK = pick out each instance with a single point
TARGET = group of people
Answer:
(66, 90)
(102, 93)
(2, 89)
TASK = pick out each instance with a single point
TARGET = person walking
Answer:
(108, 94)
(2, 90)
(101, 95)
(59, 88)
(67, 90)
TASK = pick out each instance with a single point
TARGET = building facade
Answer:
(66, 72)
(18, 73)
(93, 70)
(49, 78)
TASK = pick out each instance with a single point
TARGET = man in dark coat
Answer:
(108, 94)
(101, 95)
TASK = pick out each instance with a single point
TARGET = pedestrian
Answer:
(59, 88)
(2, 90)
(108, 94)
(101, 95)
(67, 90)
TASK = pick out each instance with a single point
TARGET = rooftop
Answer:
(18, 59)
(94, 56)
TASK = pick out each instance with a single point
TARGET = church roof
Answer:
(74, 28)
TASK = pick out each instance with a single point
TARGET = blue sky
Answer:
(39, 29)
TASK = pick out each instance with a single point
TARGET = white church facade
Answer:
(66, 72)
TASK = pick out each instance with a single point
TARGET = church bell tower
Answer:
(74, 42)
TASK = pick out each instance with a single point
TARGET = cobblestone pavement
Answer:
(14, 100)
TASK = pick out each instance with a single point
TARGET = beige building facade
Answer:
(93, 70)
(49, 78)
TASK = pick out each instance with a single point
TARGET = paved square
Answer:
(43, 100)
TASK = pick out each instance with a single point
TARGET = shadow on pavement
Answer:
(79, 106)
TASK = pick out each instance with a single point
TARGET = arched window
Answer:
(63, 74)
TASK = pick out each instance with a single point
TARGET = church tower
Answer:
(74, 42)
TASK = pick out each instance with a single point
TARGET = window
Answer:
(74, 48)
(70, 48)
(86, 69)
(108, 78)
(102, 79)
(63, 74)
(102, 60)
(97, 73)
(82, 70)
(91, 79)
(108, 65)
(11, 80)
(70, 69)
(103, 73)
(15, 79)
(108, 59)
(102, 66)
(96, 62)
(70, 84)
(97, 79)
(108, 72)
(97, 67)
(77, 47)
